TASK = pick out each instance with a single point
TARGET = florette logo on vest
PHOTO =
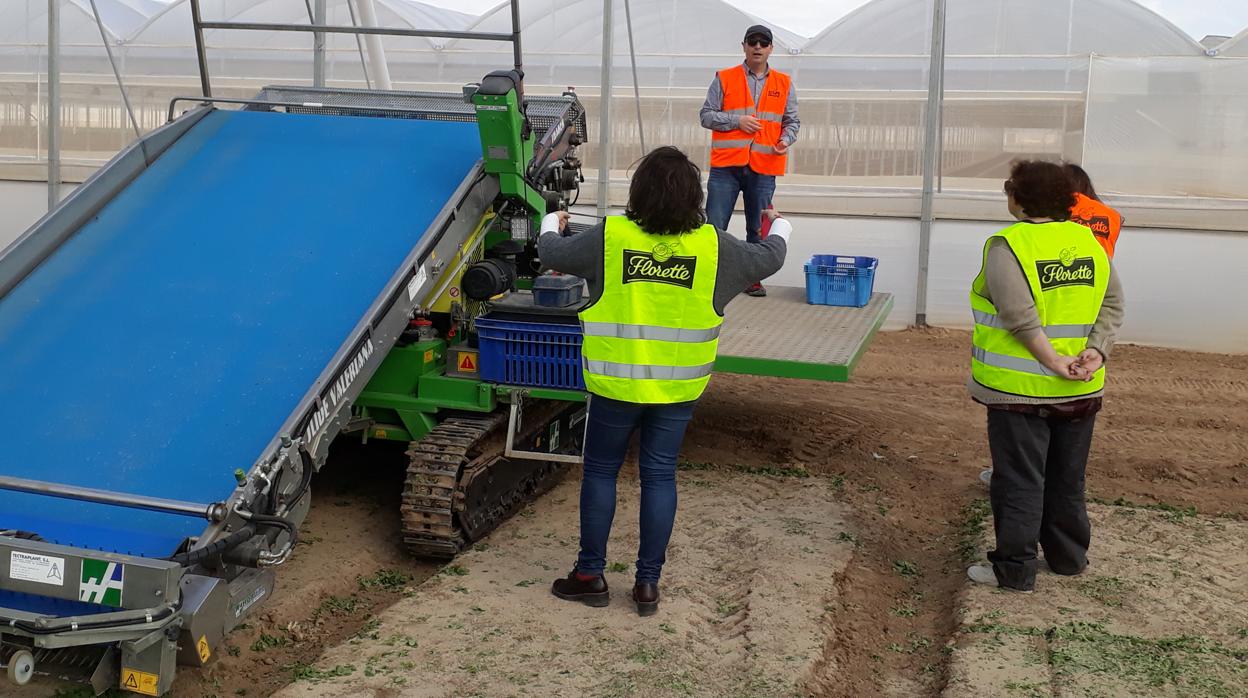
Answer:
(1099, 225)
(773, 93)
(645, 266)
(1067, 270)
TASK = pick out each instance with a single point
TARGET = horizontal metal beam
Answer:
(211, 512)
(382, 31)
(295, 105)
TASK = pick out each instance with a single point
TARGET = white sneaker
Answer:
(983, 574)
(986, 477)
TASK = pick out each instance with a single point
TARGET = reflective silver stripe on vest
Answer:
(739, 112)
(643, 372)
(760, 148)
(664, 334)
(730, 143)
(1051, 331)
(1012, 363)
(770, 116)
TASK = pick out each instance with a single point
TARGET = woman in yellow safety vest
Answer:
(1047, 305)
(659, 278)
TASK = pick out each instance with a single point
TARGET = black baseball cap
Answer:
(758, 30)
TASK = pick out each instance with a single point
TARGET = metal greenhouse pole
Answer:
(931, 154)
(54, 103)
(376, 51)
(318, 45)
(604, 112)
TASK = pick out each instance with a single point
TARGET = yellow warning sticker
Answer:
(139, 682)
(429, 356)
(379, 433)
(468, 361)
(205, 652)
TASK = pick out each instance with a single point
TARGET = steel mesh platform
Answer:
(781, 335)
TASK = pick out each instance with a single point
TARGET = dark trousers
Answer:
(725, 184)
(610, 429)
(1037, 494)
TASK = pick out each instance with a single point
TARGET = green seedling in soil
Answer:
(903, 611)
(667, 628)
(454, 571)
(847, 537)
(528, 582)
(906, 569)
(1030, 690)
(796, 527)
(618, 567)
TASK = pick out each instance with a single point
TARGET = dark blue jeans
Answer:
(722, 188)
(611, 427)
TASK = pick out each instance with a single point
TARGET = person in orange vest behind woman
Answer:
(1088, 211)
(751, 111)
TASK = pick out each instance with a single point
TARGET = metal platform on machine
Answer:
(783, 336)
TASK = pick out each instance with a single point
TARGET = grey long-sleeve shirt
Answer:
(714, 118)
(1009, 291)
(741, 264)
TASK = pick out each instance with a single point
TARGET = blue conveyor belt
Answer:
(165, 344)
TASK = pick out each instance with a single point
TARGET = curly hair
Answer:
(665, 196)
(1080, 181)
(1041, 189)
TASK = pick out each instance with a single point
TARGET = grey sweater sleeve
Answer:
(712, 115)
(740, 263)
(1113, 309)
(790, 123)
(1010, 292)
(579, 255)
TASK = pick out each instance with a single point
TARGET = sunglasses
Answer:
(760, 43)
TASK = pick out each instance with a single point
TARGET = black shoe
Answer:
(757, 290)
(592, 593)
(646, 596)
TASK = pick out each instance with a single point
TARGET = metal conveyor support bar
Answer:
(211, 512)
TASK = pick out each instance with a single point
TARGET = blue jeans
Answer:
(722, 188)
(610, 429)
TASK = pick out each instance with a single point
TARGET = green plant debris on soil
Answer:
(389, 580)
(1191, 665)
(1110, 591)
(774, 471)
(1170, 512)
(268, 642)
(973, 519)
(906, 569)
(307, 672)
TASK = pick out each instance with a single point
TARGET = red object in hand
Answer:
(765, 227)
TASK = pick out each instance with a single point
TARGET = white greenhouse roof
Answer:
(1006, 27)
(1236, 47)
(660, 27)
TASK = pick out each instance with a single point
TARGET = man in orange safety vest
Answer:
(751, 111)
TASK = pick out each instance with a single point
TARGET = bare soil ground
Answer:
(893, 454)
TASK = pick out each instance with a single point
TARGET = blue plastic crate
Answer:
(537, 354)
(840, 280)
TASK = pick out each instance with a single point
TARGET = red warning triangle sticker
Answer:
(466, 362)
(131, 681)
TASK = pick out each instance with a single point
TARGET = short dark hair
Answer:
(1080, 181)
(1042, 189)
(665, 196)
